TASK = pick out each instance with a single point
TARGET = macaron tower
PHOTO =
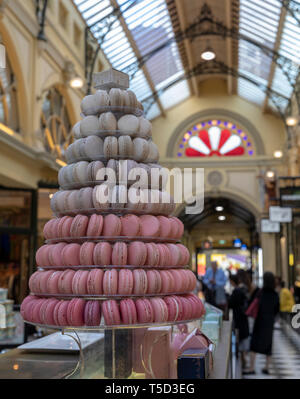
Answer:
(112, 254)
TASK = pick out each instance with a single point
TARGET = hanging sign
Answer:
(2, 316)
(279, 214)
(267, 226)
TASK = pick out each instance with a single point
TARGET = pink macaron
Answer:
(150, 226)
(86, 253)
(79, 226)
(160, 310)
(154, 282)
(24, 304)
(48, 316)
(111, 313)
(62, 313)
(102, 254)
(92, 313)
(95, 226)
(65, 230)
(110, 282)
(185, 254)
(79, 282)
(65, 282)
(165, 226)
(167, 282)
(43, 281)
(119, 254)
(41, 256)
(152, 258)
(130, 226)
(128, 311)
(125, 282)
(35, 311)
(140, 282)
(111, 226)
(55, 254)
(34, 282)
(175, 311)
(70, 255)
(49, 231)
(75, 312)
(144, 310)
(95, 282)
(177, 280)
(137, 253)
(187, 308)
(175, 255)
(52, 283)
(180, 227)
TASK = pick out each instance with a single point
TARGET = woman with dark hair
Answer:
(262, 336)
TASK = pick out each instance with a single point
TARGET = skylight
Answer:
(150, 26)
(259, 21)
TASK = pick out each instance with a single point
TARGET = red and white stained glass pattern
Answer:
(215, 137)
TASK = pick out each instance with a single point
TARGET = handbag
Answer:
(253, 308)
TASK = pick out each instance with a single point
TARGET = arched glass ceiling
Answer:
(145, 25)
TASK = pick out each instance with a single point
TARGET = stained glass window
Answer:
(215, 137)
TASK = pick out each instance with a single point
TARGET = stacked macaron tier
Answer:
(78, 312)
(112, 254)
(111, 282)
(127, 227)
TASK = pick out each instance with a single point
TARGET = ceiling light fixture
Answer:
(76, 83)
(291, 121)
(208, 54)
(219, 208)
(222, 217)
(270, 174)
(277, 154)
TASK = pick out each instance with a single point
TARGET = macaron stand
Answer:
(99, 273)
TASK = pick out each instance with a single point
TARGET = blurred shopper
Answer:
(267, 302)
(287, 302)
(215, 280)
(238, 302)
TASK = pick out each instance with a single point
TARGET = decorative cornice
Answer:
(28, 152)
(221, 162)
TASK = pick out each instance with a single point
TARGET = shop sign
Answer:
(279, 214)
(267, 226)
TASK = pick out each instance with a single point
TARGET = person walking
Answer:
(287, 302)
(238, 302)
(262, 336)
(215, 280)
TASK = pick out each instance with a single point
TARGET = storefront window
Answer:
(8, 98)
(55, 124)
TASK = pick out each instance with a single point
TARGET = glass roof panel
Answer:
(289, 48)
(175, 94)
(153, 112)
(259, 21)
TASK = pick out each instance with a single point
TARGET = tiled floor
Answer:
(285, 361)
